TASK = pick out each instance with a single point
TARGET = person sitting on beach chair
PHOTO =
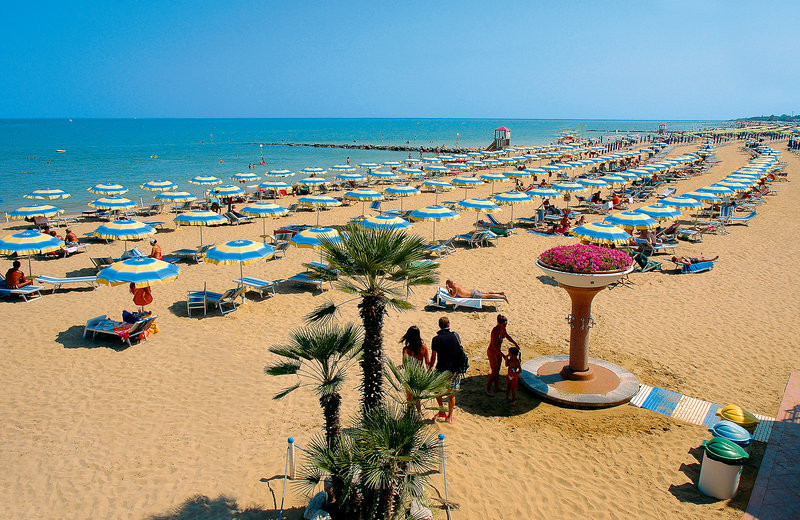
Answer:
(689, 260)
(15, 278)
(456, 291)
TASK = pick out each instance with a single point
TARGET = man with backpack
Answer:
(449, 356)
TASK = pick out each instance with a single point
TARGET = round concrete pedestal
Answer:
(610, 384)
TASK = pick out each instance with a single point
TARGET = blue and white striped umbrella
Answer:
(384, 222)
(124, 229)
(275, 185)
(611, 178)
(594, 183)
(313, 171)
(175, 196)
(355, 177)
(518, 174)
(263, 210)
(543, 193)
(35, 210)
(492, 178)
(109, 203)
(392, 164)
(551, 168)
(467, 183)
(30, 242)
(438, 186)
(140, 271)
(387, 176)
(492, 162)
(159, 186)
(702, 196)
(717, 190)
(200, 218)
(660, 211)
(681, 202)
(227, 190)
(108, 189)
(313, 181)
(205, 180)
(631, 220)
(313, 238)
(479, 205)
(279, 173)
(474, 154)
(430, 160)
(342, 168)
(411, 171)
(412, 161)
(363, 195)
(513, 198)
(433, 214)
(599, 233)
(402, 191)
(627, 174)
(369, 165)
(475, 164)
(318, 202)
(568, 187)
(246, 177)
(47, 194)
(437, 168)
(242, 252)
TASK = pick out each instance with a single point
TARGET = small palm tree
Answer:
(417, 382)
(320, 355)
(380, 267)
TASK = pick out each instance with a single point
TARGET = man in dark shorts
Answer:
(447, 355)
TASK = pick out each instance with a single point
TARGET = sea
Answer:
(133, 151)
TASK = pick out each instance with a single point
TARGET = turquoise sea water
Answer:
(120, 150)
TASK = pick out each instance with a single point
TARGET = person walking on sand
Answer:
(447, 356)
(495, 353)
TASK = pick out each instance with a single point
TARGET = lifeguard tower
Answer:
(502, 138)
(662, 128)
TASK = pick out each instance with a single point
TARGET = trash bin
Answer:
(734, 433)
(721, 468)
(738, 415)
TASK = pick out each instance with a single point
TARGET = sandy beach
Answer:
(91, 431)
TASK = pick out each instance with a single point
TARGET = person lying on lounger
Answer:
(456, 291)
(689, 260)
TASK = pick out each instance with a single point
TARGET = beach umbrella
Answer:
(569, 187)
(543, 193)
(47, 194)
(433, 214)
(113, 202)
(430, 160)
(681, 202)
(513, 198)
(246, 177)
(263, 210)
(279, 173)
(492, 162)
(478, 206)
(355, 177)
(313, 171)
(474, 154)
(411, 171)
(628, 175)
(438, 186)
(717, 190)
(474, 163)
(369, 165)
(492, 178)
(443, 158)
(402, 191)
(313, 238)
(392, 164)
(518, 174)
(599, 233)
(175, 196)
(593, 183)
(437, 168)
(30, 242)
(318, 202)
(311, 182)
(140, 271)
(611, 178)
(205, 180)
(35, 210)
(412, 161)
(384, 222)
(200, 218)
(702, 196)
(630, 220)
(124, 230)
(108, 189)
(227, 190)
(386, 176)
(243, 252)
(551, 168)
(343, 168)
(747, 181)
(363, 195)
(275, 185)
(735, 186)
(467, 183)
(159, 186)
(660, 211)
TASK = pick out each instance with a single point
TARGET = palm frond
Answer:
(286, 391)
(324, 314)
(282, 368)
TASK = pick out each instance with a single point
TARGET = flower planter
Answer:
(586, 280)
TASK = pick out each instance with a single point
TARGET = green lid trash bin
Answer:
(721, 468)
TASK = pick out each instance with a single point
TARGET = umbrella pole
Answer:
(201, 235)
(30, 269)
(317, 217)
(434, 231)
(264, 220)
(401, 203)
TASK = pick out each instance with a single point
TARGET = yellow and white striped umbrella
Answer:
(140, 271)
(159, 186)
(47, 194)
(599, 233)
(35, 210)
(109, 203)
(108, 189)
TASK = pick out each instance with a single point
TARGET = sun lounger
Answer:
(264, 287)
(192, 254)
(235, 219)
(27, 293)
(441, 249)
(225, 302)
(124, 331)
(474, 239)
(132, 253)
(666, 192)
(57, 283)
(59, 221)
(101, 263)
(154, 209)
(744, 219)
(698, 267)
(659, 247)
(306, 279)
(644, 264)
(442, 299)
(158, 224)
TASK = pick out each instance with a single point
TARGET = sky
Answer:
(462, 59)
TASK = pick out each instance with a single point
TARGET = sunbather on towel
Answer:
(689, 260)
(456, 291)
(15, 278)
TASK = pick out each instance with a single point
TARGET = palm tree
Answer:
(320, 355)
(380, 267)
(417, 381)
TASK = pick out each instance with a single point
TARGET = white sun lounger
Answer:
(58, 282)
(442, 299)
(28, 293)
(263, 287)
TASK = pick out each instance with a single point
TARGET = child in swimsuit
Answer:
(514, 364)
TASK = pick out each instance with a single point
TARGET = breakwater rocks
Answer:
(388, 147)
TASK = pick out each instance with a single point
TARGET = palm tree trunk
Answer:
(372, 309)
(330, 409)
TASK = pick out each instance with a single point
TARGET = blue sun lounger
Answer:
(698, 267)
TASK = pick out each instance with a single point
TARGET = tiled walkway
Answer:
(776, 492)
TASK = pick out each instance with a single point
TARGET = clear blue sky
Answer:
(525, 59)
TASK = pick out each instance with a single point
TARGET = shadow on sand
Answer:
(473, 399)
(73, 338)
(201, 507)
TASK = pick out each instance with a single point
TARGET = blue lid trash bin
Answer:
(734, 433)
(721, 468)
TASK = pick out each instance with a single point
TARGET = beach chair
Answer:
(644, 264)
(658, 248)
(192, 254)
(154, 209)
(64, 221)
(532, 221)
(473, 239)
(305, 279)
(441, 249)
(263, 287)
(124, 331)
(442, 299)
(57, 283)
(235, 219)
(280, 249)
(27, 293)
(40, 222)
(225, 302)
(132, 253)
(698, 267)
(744, 219)
(666, 192)
(157, 224)
(102, 262)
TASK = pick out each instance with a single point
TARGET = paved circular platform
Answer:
(611, 386)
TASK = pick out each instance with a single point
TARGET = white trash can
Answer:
(721, 468)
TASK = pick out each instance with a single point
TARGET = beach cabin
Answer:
(662, 128)
(502, 138)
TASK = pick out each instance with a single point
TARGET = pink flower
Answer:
(585, 258)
